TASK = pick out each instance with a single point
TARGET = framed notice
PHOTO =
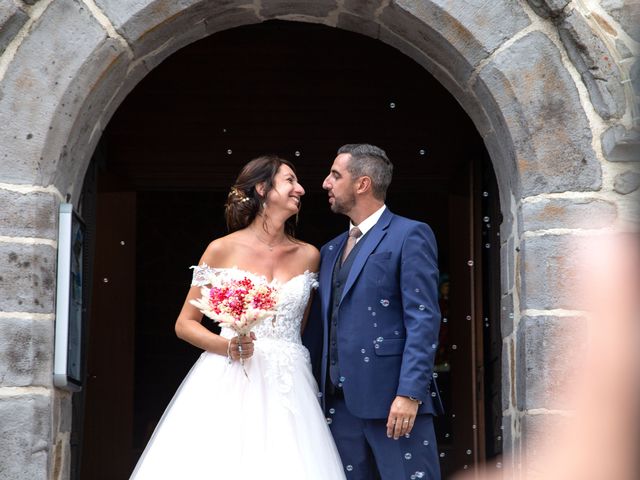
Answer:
(68, 367)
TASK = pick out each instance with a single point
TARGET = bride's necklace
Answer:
(270, 245)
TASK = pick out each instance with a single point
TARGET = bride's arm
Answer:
(189, 323)
(190, 329)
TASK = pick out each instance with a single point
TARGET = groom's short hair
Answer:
(371, 161)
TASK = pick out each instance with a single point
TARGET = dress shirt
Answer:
(368, 223)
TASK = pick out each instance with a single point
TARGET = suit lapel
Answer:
(371, 241)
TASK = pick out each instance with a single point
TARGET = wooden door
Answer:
(108, 420)
(459, 369)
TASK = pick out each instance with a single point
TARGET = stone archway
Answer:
(523, 71)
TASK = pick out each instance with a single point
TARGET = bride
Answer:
(221, 424)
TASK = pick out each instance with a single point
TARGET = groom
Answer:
(379, 307)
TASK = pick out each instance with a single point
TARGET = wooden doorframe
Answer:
(474, 276)
(477, 340)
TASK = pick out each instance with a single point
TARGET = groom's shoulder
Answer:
(403, 227)
(406, 224)
(331, 243)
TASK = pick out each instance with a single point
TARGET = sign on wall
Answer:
(68, 367)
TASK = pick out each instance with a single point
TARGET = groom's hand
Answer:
(402, 416)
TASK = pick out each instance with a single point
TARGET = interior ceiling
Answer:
(284, 87)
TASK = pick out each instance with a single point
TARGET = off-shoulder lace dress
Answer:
(222, 425)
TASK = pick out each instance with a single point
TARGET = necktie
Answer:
(354, 234)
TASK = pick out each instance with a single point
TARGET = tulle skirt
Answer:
(222, 425)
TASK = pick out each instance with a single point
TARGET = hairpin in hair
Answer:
(240, 195)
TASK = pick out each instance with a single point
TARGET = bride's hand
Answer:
(241, 347)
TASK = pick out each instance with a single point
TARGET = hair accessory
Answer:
(240, 195)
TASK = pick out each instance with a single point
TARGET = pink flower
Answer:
(237, 303)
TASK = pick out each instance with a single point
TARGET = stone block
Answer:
(26, 352)
(507, 208)
(61, 459)
(634, 75)
(501, 151)
(27, 278)
(167, 35)
(620, 144)
(597, 67)
(66, 37)
(357, 24)
(12, 18)
(548, 8)
(537, 114)
(508, 377)
(133, 20)
(87, 110)
(365, 9)
(506, 315)
(539, 435)
(230, 18)
(507, 434)
(26, 433)
(551, 272)
(151, 24)
(62, 410)
(568, 213)
(623, 50)
(549, 355)
(458, 35)
(28, 215)
(626, 182)
(507, 265)
(626, 13)
(288, 8)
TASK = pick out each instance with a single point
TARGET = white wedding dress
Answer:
(222, 425)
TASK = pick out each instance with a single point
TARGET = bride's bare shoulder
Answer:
(221, 249)
(310, 256)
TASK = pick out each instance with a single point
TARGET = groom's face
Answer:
(340, 186)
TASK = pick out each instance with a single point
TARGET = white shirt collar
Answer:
(368, 223)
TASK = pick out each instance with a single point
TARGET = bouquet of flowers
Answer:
(238, 304)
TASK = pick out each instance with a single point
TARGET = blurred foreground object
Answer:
(599, 440)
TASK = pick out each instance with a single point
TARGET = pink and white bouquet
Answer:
(238, 304)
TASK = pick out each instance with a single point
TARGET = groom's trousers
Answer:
(367, 452)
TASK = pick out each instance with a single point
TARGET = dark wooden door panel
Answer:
(107, 436)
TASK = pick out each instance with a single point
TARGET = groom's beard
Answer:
(343, 205)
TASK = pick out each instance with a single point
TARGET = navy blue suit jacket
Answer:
(388, 320)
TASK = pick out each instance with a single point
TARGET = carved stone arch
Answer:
(78, 62)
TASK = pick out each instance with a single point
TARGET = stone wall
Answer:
(546, 82)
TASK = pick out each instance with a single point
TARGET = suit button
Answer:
(333, 362)
(333, 344)
(338, 284)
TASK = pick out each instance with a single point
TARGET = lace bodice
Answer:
(278, 340)
(292, 298)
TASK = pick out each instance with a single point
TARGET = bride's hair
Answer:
(244, 202)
